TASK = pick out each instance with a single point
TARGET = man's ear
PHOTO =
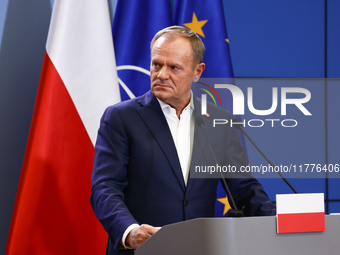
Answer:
(198, 71)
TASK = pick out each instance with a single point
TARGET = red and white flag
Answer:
(52, 212)
(300, 213)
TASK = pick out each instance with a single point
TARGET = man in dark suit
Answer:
(146, 146)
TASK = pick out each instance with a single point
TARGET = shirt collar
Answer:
(166, 107)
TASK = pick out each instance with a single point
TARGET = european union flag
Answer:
(206, 18)
(135, 24)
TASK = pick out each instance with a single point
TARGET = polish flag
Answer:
(52, 212)
(300, 213)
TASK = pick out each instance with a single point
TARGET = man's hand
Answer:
(139, 235)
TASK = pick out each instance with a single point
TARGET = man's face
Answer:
(171, 70)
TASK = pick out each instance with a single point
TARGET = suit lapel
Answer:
(153, 117)
(198, 145)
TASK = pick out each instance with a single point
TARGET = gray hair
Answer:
(196, 42)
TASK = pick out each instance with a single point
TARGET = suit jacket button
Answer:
(186, 203)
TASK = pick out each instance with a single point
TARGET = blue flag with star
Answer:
(206, 18)
(135, 23)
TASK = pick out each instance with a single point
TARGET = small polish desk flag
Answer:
(300, 213)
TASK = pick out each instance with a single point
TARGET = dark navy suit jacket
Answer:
(137, 176)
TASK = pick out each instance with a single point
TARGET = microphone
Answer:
(239, 126)
(232, 212)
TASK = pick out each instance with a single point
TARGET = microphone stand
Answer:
(233, 212)
(239, 127)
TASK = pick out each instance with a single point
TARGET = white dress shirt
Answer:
(182, 130)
